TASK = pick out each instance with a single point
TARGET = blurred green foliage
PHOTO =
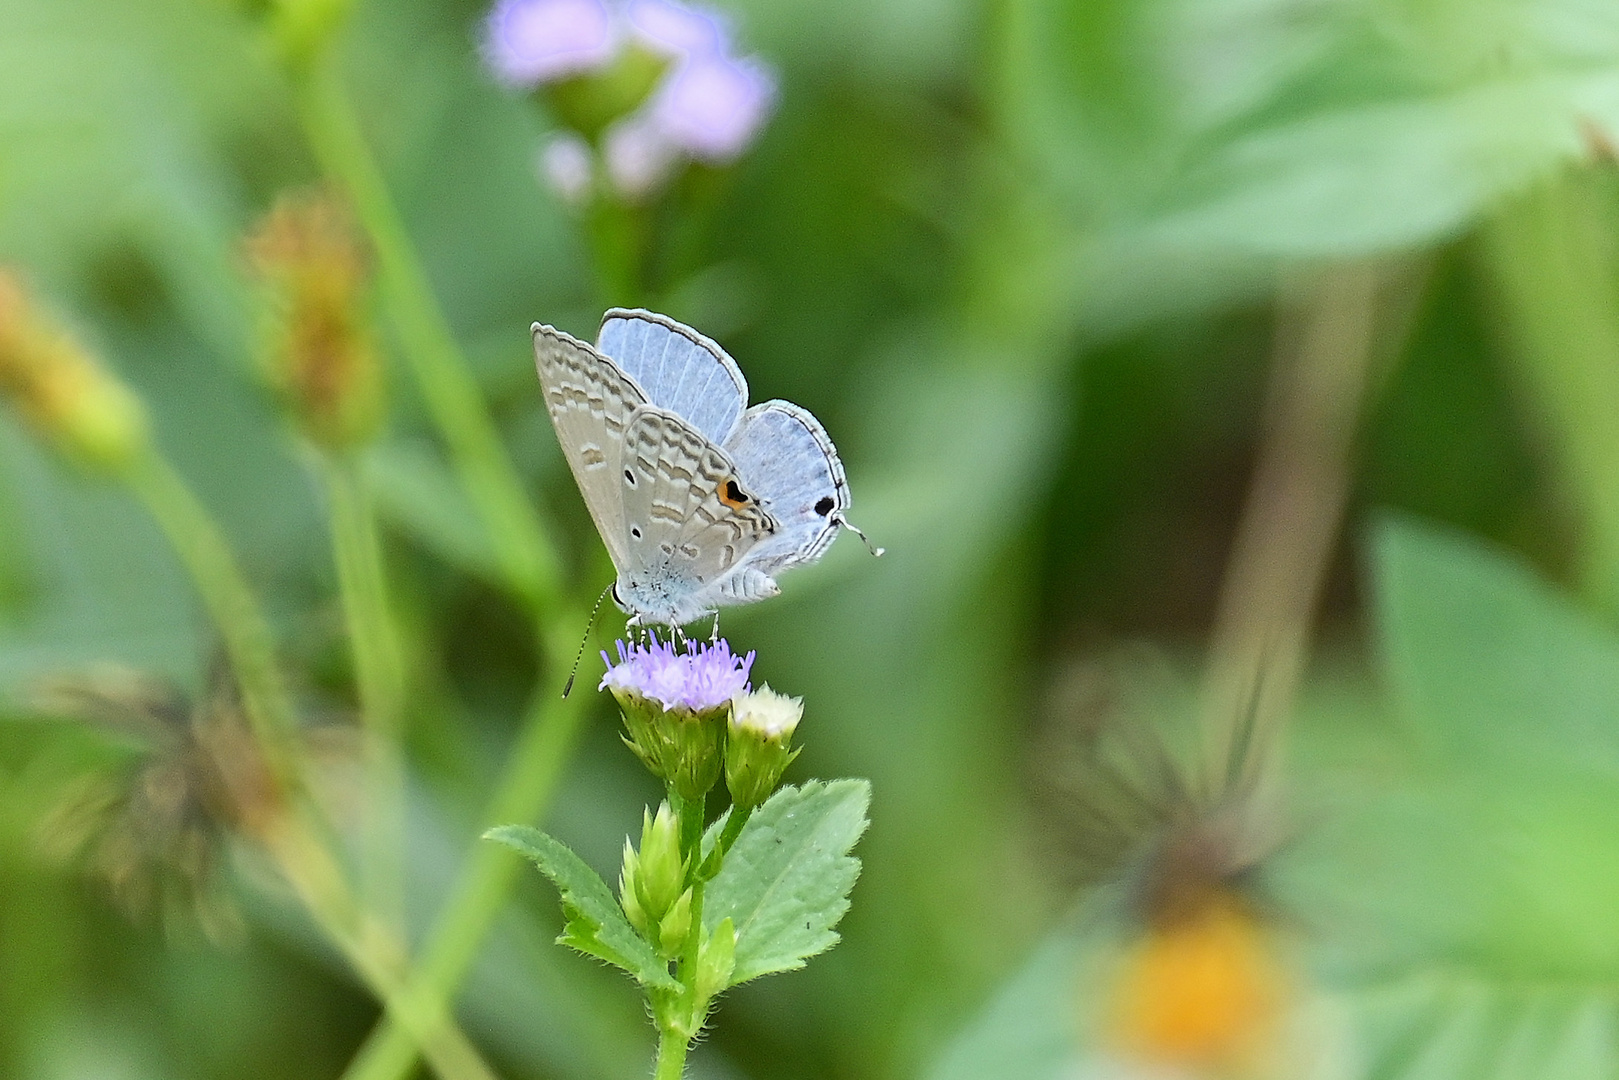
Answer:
(1022, 258)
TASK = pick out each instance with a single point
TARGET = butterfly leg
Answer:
(714, 633)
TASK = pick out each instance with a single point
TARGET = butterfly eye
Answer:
(824, 507)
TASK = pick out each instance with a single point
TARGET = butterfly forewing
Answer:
(688, 518)
(681, 370)
(590, 401)
(784, 455)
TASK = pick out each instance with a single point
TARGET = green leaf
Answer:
(596, 924)
(1489, 665)
(786, 883)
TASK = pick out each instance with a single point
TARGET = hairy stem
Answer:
(672, 1048)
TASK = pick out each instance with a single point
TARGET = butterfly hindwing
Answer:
(590, 400)
(785, 456)
(688, 519)
(681, 370)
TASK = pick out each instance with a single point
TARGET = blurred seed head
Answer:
(154, 828)
(60, 388)
(1200, 984)
(318, 348)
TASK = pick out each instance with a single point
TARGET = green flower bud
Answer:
(675, 926)
(61, 390)
(716, 960)
(759, 748)
(589, 102)
(653, 879)
(628, 877)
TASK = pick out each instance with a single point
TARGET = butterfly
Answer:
(700, 500)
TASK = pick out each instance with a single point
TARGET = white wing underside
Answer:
(698, 499)
(590, 401)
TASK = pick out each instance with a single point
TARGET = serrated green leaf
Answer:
(786, 883)
(596, 924)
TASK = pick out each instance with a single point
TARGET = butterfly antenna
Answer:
(845, 523)
(580, 655)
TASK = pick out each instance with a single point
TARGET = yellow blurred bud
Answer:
(61, 390)
(1201, 990)
(317, 346)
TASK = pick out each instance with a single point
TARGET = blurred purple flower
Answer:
(711, 107)
(698, 677)
(537, 41)
(678, 30)
(566, 166)
(638, 156)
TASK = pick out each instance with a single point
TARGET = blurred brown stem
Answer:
(1325, 351)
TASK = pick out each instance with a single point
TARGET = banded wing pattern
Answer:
(680, 370)
(590, 401)
(688, 519)
(786, 456)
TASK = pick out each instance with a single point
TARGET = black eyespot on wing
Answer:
(635, 531)
(629, 478)
(734, 493)
(824, 507)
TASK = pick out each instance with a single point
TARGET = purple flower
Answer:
(638, 156)
(698, 677)
(711, 107)
(535, 41)
(678, 30)
(565, 164)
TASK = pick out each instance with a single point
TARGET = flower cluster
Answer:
(643, 85)
(697, 678)
(692, 716)
(317, 349)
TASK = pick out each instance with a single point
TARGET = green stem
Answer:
(370, 947)
(733, 829)
(451, 393)
(672, 1047)
(289, 835)
(482, 886)
(248, 641)
(379, 675)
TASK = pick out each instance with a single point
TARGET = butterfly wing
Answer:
(689, 521)
(590, 400)
(681, 370)
(784, 455)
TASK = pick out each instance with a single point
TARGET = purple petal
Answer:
(700, 677)
(566, 166)
(678, 30)
(537, 41)
(713, 107)
(638, 156)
